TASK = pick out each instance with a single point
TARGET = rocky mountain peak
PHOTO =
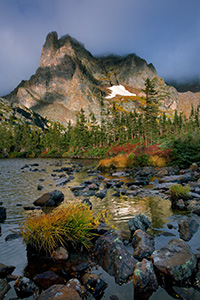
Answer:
(70, 78)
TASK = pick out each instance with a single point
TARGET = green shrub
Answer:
(178, 191)
(141, 160)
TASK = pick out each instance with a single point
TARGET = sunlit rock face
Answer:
(70, 78)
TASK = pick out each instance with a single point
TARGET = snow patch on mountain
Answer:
(118, 90)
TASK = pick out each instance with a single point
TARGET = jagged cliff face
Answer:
(69, 78)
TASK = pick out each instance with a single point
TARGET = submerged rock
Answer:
(5, 270)
(143, 244)
(4, 288)
(2, 213)
(25, 287)
(113, 257)
(59, 292)
(187, 228)
(144, 278)
(50, 199)
(94, 284)
(175, 260)
(140, 221)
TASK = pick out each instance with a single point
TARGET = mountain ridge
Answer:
(69, 78)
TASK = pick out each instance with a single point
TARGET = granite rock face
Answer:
(70, 77)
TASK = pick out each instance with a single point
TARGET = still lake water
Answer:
(18, 188)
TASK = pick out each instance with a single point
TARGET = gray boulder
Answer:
(187, 228)
(140, 221)
(175, 260)
(113, 257)
(143, 244)
(144, 278)
(53, 198)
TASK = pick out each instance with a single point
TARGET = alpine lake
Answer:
(19, 189)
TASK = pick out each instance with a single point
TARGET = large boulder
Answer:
(143, 244)
(59, 292)
(4, 288)
(53, 198)
(144, 278)
(5, 270)
(140, 221)
(113, 257)
(187, 228)
(175, 260)
(46, 279)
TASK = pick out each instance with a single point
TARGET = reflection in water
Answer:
(18, 188)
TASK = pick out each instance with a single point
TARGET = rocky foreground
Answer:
(69, 273)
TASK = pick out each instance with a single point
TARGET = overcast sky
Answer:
(163, 32)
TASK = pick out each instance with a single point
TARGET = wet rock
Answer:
(39, 187)
(132, 193)
(93, 187)
(101, 194)
(143, 244)
(59, 292)
(194, 167)
(180, 204)
(162, 172)
(46, 279)
(194, 206)
(166, 233)
(13, 236)
(5, 270)
(87, 202)
(31, 208)
(140, 221)
(50, 199)
(120, 174)
(60, 254)
(114, 297)
(141, 181)
(113, 257)
(186, 293)
(75, 284)
(2, 213)
(94, 284)
(187, 228)
(178, 178)
(144, 279)
(62, 181)
(24, 167)
(82, 267)
(24, 287)
(11, 278)
(77, 188)
(175, 260)
(4, 288)
(116, 194)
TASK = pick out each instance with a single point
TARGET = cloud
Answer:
(166, 33)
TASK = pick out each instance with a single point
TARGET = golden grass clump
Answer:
(72, 223)
(178, 191)
(119, 161)
(157, 161)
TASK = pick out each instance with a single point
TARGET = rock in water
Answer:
(187, 228)
(140, 221)
(5, 270)
(4, 288)
(175, 260)
(50, 199)
(144, 278)
(59, 292)
(143, 244)
(113, 257)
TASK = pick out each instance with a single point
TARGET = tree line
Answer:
(95, 136)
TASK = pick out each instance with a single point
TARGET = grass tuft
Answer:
(70, 224)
